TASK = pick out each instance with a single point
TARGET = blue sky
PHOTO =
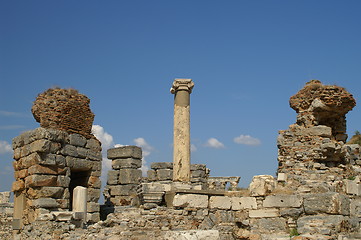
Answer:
(246, 58)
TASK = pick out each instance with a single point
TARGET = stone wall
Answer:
(48, 165)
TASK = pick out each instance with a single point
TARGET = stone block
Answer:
(198, 167)
(130, 176)
(60, 161)
(28, 161)
(41, 145)
(94, 182)
(355, 208)
(62, 216)
(164, 174)
(190, 200)
(352, 187)
(282, 177)
(262, 185)
(77, 140)
(46, 170)
(240, 203)
(94, 155)
(331, 203)
(220, 202)
(264, 213)
(93, 217)
(123, 190)
(325, 224)
(93, 194)
(320, 130)
(48, 159)
(94, 144)
(291, 212)
(284, 201)
(192, 234)
(41, 180)
(69, 150)
(125, 152)
(269, 225)
(79, 163)
(126, 163)
(161, 165)
(17, 186)
(113, 176)
(82, 152)
(46, 192)
(198, 174)
(44, 203)
(155, 187)
(22, 173)
(152, 175)
(93, 207)
(63, 181)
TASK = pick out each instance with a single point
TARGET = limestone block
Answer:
(190, 200)
(28, 161)
(355, 208)
(283, 201)
(17, 153)
(46, 192)
(154, 197)
(77, 140)
(152, 175)
(96, 166)
(93, 207)
(121, 200)
(52, 170)
(126, 163)
(161, 165)
(82, 152)
(17, 186)
(21, 174)
(164, 174)
(60, 161)
(282, 177)
(113, 176)
(325, 224)
(48, 159)
(41, 145)
(62, 216)
(93, 194)
(192, 234)
(125, 152)
(331, 203)
(123, 190)
(44, 203)
(155, 187)
(240, 203)
(69, 150)
(198, 174)
(270, 225)
(352, 187)
(262, 185)
(220, 202)
(63, 181)
(93, 217)
(198, 167)
(264, 213)
(79, 163)
(40, 180)
(294, 213)
(130, 176)
(93, 144)
(94, 182)
(80, 198)
(94, 155)
(320, 130)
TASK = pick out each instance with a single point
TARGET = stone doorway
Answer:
(77, 178)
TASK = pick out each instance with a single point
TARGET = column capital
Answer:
(182, 84)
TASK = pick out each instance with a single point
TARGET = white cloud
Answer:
(5, 147)
(193, 148)
(105, 138)
(214, 143)
(147, 149)
(247, 140)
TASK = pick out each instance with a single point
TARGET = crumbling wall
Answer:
(64, 109)
(313, 151)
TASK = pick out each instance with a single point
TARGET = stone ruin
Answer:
(316, 194)
(51, 161)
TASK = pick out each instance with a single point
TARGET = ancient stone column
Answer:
(181, 89)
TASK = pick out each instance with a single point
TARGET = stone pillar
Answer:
(80, 198)
(181, 89)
